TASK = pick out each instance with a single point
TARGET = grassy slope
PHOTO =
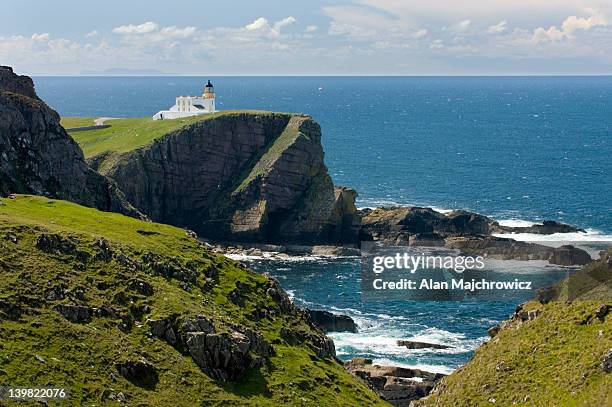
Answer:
(130, 134)
(81, 356)
(553, 360)
(267, 160)
(71, 122)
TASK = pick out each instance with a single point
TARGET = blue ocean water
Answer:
(515, 148)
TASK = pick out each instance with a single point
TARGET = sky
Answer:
(273, 37)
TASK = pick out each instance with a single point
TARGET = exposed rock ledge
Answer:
(397, 385)
(467, 231)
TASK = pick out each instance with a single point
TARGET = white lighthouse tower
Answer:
(187, 106)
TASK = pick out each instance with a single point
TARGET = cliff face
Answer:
(38, 157)
(239, 176)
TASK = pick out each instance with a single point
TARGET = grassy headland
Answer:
(40, 347)
(126, 135)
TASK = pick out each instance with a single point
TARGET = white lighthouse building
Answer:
(187, 106)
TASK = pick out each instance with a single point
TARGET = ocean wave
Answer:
(421, 366)
(591, 235)
(515, 223)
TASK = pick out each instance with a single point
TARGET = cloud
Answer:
(143, 28)
(464, 25)
(284, 23)
(569, 26)
(574, 23)
(40, 37)
(92, 34)
(498, 28)
(258, 24)
(437, 44)
(177, 32)
(311, 28)
(419, 34)
(262, 26)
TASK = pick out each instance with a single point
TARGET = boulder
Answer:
(140, 372)
(568, 255)
(606, 362)
(74, 313)
(329, 322)
(228, 355)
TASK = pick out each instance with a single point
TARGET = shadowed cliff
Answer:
(37, 156)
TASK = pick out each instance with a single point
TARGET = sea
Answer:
(518, 149)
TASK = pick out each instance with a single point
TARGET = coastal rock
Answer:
(399, 386)
(509, 249)
(548, 227)
(39, 157)
(421, 345)
(256, 177)
(329, 322)
(397, 225)
(568, 255)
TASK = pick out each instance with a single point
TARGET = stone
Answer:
(329, 322)
(397, 385)
(74, 313)
(421, 345)
(606, 362)
(139, 372)
(568, 255)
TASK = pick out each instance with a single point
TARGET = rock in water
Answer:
(257, 177)
(421, 345)
(37, 156)
(328, 322)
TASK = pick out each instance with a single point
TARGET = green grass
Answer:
(82, 356)
(266, 161)
(72, 122)
(126, 135)
(554, 360)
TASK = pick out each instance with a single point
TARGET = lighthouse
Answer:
(187, 106)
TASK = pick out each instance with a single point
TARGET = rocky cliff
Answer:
(238, 176)
(37, 156)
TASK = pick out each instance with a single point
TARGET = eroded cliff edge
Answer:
(239, 176)
(37, 156)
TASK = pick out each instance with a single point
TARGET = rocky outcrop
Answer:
(421, 345)
(467, 231)
(548, 227)
(397, 385)
(38, 157)
(509, 249)
(328, 322)
(398, 225)
(256, 177)
(140, 372)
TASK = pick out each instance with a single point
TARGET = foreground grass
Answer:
(553, 360)
(71, 122)
(126, 135)
(41, 348)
